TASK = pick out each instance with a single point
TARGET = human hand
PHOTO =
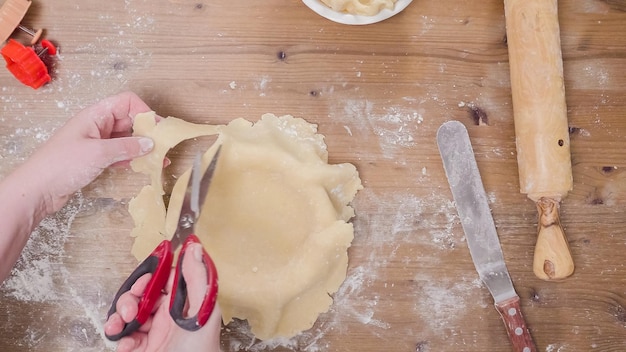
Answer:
(89, 142)
(160, 332)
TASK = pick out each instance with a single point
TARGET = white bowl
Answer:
(341, 17)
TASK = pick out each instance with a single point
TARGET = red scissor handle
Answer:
(159, 263)
(179, 293)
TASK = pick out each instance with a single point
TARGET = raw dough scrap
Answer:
(275, 220)
(147, 208)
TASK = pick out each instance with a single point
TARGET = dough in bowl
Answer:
(360, 7)
(275, 220)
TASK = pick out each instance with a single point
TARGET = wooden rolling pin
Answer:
(541, 129)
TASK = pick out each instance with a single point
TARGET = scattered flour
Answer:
(428, 23)
(40, 275)
(262, 85)
(15, 147)
(395, 127)
(37, 275)
(598, 73)
(442, 302)
(414, 220)
(556, 348)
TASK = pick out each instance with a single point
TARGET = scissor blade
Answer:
(194, 181)
(195, 194)
(205, 182)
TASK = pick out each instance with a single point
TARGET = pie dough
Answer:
(275, 220)
(360, 7)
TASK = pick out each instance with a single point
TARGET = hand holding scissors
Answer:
(159, 263)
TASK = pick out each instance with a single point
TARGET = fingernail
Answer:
(146, 144)
(197, 252)
(123, 312)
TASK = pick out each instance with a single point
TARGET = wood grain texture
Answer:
(378, 93)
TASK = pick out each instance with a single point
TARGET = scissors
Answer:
(159, 263)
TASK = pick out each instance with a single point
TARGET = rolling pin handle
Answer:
(553, 258)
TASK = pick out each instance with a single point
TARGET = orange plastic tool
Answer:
(25, 64)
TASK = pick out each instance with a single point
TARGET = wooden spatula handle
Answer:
(519, 335)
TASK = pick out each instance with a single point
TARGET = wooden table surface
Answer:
(378, 93)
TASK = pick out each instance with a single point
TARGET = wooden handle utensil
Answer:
(541, 129)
